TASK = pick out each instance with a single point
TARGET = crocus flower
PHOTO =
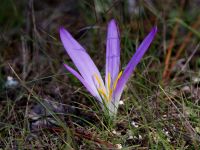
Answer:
(108, 93)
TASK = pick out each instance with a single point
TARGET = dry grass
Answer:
(45, 107)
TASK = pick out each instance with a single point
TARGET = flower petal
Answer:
(133, 62)
(80, 58)
(92, 90)
(112, 52)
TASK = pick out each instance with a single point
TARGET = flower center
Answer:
(106, 92)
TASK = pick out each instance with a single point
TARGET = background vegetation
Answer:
(44, 107)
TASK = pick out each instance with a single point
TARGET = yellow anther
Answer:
(102, 92)
(106, 93)
(115, 83)
(109, 80)
(110, 93)
(98, 80)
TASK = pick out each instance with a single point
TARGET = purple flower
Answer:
(108, 93)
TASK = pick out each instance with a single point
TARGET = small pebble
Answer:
(11, 83)
(121, 102)
(130, 137)
(140, 137)
(133, 123)
(39, 116)
(196, 79)
(164, 116)
(116, 133)
(118, 146)
(186, 89)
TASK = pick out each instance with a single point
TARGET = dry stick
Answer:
(82, 133)
(169, 51)
(183, 45)
(171, 45)
(89, 136)
(25, 57)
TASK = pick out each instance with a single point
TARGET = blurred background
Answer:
(32, 72)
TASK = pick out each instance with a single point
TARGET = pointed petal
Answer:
(92, 90)
(112, 52)
(133, 62)
(80, 58)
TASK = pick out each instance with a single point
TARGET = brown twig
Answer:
(171, 45)
(82, 133)
(183, 45)
(169, 51)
